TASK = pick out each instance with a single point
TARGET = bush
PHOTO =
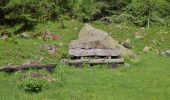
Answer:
(33, 85)
(33, 81)
(124, 17)
(155, 10)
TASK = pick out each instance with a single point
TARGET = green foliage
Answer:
(32, 81)
(33, 85)
(122, 18)
(22, 15)
(85, 10)
(152, 9)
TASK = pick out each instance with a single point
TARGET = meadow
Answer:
(146, 79)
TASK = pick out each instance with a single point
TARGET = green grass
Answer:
(146, 80)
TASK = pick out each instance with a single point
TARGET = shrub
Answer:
(33, 85)
(33, 82)
(124, 17)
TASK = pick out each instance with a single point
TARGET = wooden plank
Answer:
(95, 52)
(14, 68)
(93, 61)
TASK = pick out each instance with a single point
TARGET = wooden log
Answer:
(14, 68)
(93, 61)
(95, 52)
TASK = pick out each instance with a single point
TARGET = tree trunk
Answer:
(14, 68)
(148, 22)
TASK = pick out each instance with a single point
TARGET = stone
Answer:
(139, 37)
(4, 37)
(52, 49)
(167, 53)
(161, 52)
(127, 44)
(92, 38)
(56, 37)
(47, 35)
(137, 34)
(25, 35)
(146, 49)
(142, 28)
(155, 42)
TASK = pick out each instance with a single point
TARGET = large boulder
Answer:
(92, 38)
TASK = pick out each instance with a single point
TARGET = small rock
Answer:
(165, 53)
(142, 28)
(168, 53)
(139, 37)
(146, 49)
(56, 37)
(4, 37)
(52, 49)
(155, 42)
(127, 44)
(47, 35)
(25, 35)
(162, 53)
(127, 40)
(136, 33)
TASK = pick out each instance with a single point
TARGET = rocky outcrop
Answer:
(92, 38)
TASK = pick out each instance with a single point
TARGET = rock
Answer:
(139, 37)
(127, 40)
(168, 53)
(137, 34)
(162, 53)
(52, 49)
(155, 42)
(92, 38)
(47, 35)
(165, 53)
(25, 35)
(127, 44)
(142, 28)
(146, 49)
(56, 37)
(4, 37)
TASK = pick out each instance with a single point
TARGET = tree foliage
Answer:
(28, 12)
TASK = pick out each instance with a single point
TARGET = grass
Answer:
(146, 80)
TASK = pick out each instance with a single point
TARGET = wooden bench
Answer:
(94, 56)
